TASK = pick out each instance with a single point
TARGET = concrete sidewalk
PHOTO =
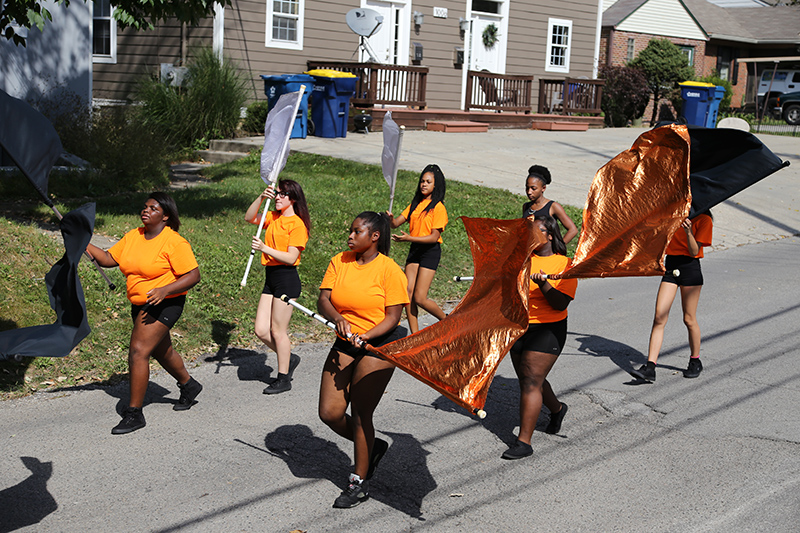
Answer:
(500, 158)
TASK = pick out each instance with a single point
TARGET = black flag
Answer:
(66, 297)
(725, 161)
(30, 140)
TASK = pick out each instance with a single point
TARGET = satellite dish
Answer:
(364, 22)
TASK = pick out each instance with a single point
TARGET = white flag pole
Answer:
(396, 164)
(273, 177)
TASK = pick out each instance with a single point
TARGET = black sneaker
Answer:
(294, 360)
(354, 494)
(518, 450)
(645, 373)
(132, 419)
(379, 448)
(281, 384)
(189, 392)
(695, 367)
(555, 420)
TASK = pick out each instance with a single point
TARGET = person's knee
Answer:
(690, 321)
(330, 416)
(263, 333)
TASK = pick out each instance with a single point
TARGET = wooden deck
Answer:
(418, 119)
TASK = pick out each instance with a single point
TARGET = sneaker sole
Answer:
(115, 431)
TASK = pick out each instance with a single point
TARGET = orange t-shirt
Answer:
(361, 293)
(149, 264)
(702, 228)
(539, 309)
(282, 232)
(422, 224)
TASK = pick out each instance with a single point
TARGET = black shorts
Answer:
(546, 338)
(280, 280)
(344, 346)
(167, 312)
(689, 273)
(427, 255)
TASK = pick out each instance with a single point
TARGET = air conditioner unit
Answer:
(172, 75)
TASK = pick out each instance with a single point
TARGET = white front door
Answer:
(482, 57)
(390, 42)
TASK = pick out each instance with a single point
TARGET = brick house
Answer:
(712, 37)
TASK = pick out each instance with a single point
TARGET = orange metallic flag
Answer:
(458, 356)
(635, 204)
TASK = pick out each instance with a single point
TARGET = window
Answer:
(558, 45)
(486, 6)
(104, 33)
(285, 24)
(688, 51)
(631, 48)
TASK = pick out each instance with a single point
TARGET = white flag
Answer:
(391, 149)
(277, 130)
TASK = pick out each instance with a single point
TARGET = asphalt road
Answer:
(718, 453)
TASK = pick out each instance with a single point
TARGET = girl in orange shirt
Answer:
(535, 185)
(159, 268)
(427, 219)
(285, 236)
(535, 353)
(363, 292)
(683, 258)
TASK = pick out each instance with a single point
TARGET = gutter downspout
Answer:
(596, 59)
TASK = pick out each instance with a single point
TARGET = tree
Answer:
(134, 13)
(663, 64)
(625, 95)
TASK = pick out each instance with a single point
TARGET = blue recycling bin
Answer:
(275, 86)
(330, 103)
(701, 103)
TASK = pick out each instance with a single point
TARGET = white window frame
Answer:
(552, 24)
(277, 43)
(688, 51)
(106, 58)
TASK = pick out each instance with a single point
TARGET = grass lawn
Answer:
(219, 313)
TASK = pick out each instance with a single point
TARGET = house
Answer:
(55, 68)
(532, 37)
(715, 35)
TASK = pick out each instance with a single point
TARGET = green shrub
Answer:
(208, 107)
(714, 79)
(256, 117)
(625, 95)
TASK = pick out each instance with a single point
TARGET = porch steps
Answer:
(226, 150)
(559, 126)
(453, 126)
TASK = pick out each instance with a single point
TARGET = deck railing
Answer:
(570, 96)
(380, 84)
(498, 92)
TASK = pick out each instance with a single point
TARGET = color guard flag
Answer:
(66, 297)
(30, 140)
(724, 162)
(392, 138)
(458, 356)
(277, 130)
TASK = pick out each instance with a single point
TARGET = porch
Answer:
(497, 100)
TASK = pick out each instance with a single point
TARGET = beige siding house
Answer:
(535, 37)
